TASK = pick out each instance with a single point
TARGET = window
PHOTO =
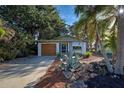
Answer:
(64, 48)
(76, 47)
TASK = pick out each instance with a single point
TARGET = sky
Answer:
(66, 12)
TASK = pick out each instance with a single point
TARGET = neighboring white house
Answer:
(62, 44)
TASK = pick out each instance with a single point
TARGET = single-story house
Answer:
(62, 44)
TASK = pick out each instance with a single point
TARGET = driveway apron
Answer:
(23, 72)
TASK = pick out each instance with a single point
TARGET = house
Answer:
(62, 44)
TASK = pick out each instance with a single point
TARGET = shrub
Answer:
(87, 54)
(18, 46)
(59, 55)
(79, 55)
(2, 32)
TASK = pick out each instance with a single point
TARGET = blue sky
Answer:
(67, 13)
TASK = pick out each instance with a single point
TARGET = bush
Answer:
(18, 46)
(87, 54)
(2, 32)
(59, 55)
(79, 55)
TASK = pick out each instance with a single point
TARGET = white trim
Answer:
(49, 43)
(68, 47)
(39, 49)
(84, 47)
(57, 48)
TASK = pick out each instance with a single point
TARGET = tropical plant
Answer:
(87, 54)
(120, 53)
(102, 19)
(2, 32)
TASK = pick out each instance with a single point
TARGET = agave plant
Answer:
(70, 65)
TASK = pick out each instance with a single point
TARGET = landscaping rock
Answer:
(57, 78)
(77, 84)
(79, 68)
(92, 75)
(67, 74)
(98, 68)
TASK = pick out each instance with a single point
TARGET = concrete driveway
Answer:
(23, 72)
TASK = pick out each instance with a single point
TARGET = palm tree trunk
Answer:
(96, 44)
(120, 58)
(86, 37)
(108, 64)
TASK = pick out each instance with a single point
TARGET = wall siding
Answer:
(39, 49)
(57, 48)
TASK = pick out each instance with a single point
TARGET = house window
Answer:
(76, 47)
(64, 48)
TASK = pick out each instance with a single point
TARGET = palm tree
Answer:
(100, 20)
(2, 31)
(120, 57)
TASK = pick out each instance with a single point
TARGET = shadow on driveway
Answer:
(24, 67)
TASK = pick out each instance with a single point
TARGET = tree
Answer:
(21, 22)
(2, 31)
(101, 17)
(120, 57)
(30, 19)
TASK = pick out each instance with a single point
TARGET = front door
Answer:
(64, 47)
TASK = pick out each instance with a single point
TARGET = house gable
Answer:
(65, 38)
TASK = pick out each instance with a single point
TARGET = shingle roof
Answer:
(65, 38)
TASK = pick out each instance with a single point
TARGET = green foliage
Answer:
(2, 32)
(44, 19)
(15, 48)
(21, 24)
(59, 55)
(87, 54)
(97, 18)
(111, 42)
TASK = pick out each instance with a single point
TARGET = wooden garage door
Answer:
(48, 49)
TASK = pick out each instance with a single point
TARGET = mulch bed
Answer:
(54, 78)
(106, 81)
(93, 58)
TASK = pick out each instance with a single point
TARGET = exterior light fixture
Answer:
(36, 36)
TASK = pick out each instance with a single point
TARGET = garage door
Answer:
(48, 49)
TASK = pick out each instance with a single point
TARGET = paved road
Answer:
(23, 72)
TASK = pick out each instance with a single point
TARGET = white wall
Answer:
(82, 45)
(39, 49)
(57, 48)
(70, 47)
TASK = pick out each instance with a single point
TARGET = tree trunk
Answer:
(96, 44)
(86, 37)
(108, 64)
(120, 57)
